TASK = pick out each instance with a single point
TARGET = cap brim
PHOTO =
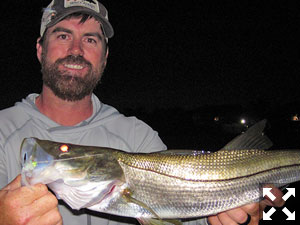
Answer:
(107, 27)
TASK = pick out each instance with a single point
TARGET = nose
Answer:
(76, 48)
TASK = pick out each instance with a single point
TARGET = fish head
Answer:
(34, 160)
(46, 161)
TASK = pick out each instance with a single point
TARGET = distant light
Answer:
(216, 118)
(243, 121)
(64, 148)
(295, 117)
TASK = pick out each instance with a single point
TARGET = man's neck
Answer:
(64, 112)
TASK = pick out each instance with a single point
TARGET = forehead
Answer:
(89, 25)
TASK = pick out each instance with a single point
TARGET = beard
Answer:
(67, 86)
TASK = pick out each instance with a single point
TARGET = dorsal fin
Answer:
(253, 138)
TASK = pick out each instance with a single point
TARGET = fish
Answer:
(160, 187)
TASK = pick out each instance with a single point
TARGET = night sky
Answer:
(176, 56)
(168, 54)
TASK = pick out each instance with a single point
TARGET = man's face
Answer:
(73, 58)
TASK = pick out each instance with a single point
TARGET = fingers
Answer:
(214, 220)
(237, 216)
(26, 195)
(253, 211)
(23, 195)
(278, 202)
(28, 205)
(233, 217)
(52, 217)
(225, 218)
(38, 206)
(43, 208)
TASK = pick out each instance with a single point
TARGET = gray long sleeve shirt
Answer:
(106, 127)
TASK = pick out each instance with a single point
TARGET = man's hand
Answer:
(240, 215)
(24, 205)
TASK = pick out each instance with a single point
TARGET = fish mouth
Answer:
(33, 160)
(24, 180)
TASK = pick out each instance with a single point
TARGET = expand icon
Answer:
(290, 215)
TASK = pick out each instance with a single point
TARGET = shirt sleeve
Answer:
(147, 140)
(3, 172)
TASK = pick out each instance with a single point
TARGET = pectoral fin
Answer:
(150, 221)
(156, 220)
(127, 195)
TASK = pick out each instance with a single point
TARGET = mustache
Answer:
(74, 59)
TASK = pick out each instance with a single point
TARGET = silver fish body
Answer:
(164, 184)
(201, 185)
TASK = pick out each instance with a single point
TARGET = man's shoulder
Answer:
(108, 115)
(10, 112)
(12, 118)
(18, 112)
(111, 117)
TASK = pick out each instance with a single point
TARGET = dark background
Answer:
(192, 69)
(177, 65)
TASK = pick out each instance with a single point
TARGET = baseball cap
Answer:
(57, 10)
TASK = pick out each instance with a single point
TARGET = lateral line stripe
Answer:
(217, 180)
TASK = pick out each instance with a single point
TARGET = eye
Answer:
(91, 40)
(62, 36)
(64, 148)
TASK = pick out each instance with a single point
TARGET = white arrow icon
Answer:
(291, 216)
(290, 192)
(267, 216)
(267, 192)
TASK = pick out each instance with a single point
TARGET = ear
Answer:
(39, 49)
(106, 55)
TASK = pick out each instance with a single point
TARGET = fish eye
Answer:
(64, 148)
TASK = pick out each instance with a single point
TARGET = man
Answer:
(73, 53)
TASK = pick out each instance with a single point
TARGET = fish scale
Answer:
(215, 166)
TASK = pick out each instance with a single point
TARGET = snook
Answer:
(170, 184)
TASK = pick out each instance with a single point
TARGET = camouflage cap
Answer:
(57, 10)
